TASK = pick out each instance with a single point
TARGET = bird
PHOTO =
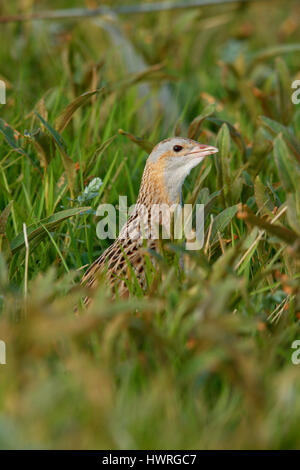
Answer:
(167, 166)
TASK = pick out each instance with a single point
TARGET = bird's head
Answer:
(174, 158)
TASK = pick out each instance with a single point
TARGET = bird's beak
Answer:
(201, 150)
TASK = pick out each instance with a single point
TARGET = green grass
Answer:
(202, 359)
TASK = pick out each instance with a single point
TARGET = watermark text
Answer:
(296, 94)
(157, 221)
(2, 92)
(296, 353)
(2, 352)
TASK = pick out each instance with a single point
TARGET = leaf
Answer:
(153, 72)
(286, 107)
(4, 244)
(234, 134)
(60, 189)
(97, 153)
(42, 143)
(90, 191)
(36, 230)
(283, 233)
(144, 144)
(293, 215)
(288, 170)
(56, 136)
(262, 145)
(3, 271)
(68, 163)
(224, 141)
(274, 51)
(12, 137)
(209, 203)
(222, 220)
(223, 264)
(222, 160)
(4, 217)
(66, 115)
(276, 128)
(262, 197)
(192, 199)
(196, 123)
(246, 91)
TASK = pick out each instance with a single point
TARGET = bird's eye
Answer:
(177, 148)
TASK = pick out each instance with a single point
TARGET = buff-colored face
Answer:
(180, 148)
(176, 157)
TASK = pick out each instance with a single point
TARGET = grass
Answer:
(201, 360)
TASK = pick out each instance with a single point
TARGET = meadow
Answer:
(203, 358)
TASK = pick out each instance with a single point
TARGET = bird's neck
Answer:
(153, 192)
(153, 189)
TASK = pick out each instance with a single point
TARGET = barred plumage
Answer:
(167, 166)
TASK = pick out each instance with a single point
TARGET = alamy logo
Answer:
(158, 221)
(296, 354)
(2, 92)
(296, 94)
(2, 352)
